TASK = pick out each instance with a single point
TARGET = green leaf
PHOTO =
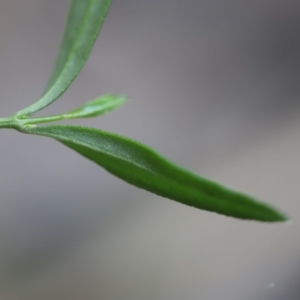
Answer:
(97, 107)
(84, 23)
(145, 168)
(92, 108)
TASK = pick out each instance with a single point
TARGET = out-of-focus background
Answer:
(214, 85)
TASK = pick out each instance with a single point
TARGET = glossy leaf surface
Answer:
(145, 168)
(83, 26)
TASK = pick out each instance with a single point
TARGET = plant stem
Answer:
(43, 119)
(16, 123)
(8, 123)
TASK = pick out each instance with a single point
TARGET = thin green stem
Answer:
(8, 123)
(48, 119)
(16, 123)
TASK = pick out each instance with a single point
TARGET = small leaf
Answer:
(97, 107)
(84, 23)
(145, 168)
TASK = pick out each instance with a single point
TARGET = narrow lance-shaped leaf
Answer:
(145, 168)
(83, 26)
(94, 108)
(97, 107)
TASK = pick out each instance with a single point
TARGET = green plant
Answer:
(129, 160)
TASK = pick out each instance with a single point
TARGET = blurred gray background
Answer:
(214, 85)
